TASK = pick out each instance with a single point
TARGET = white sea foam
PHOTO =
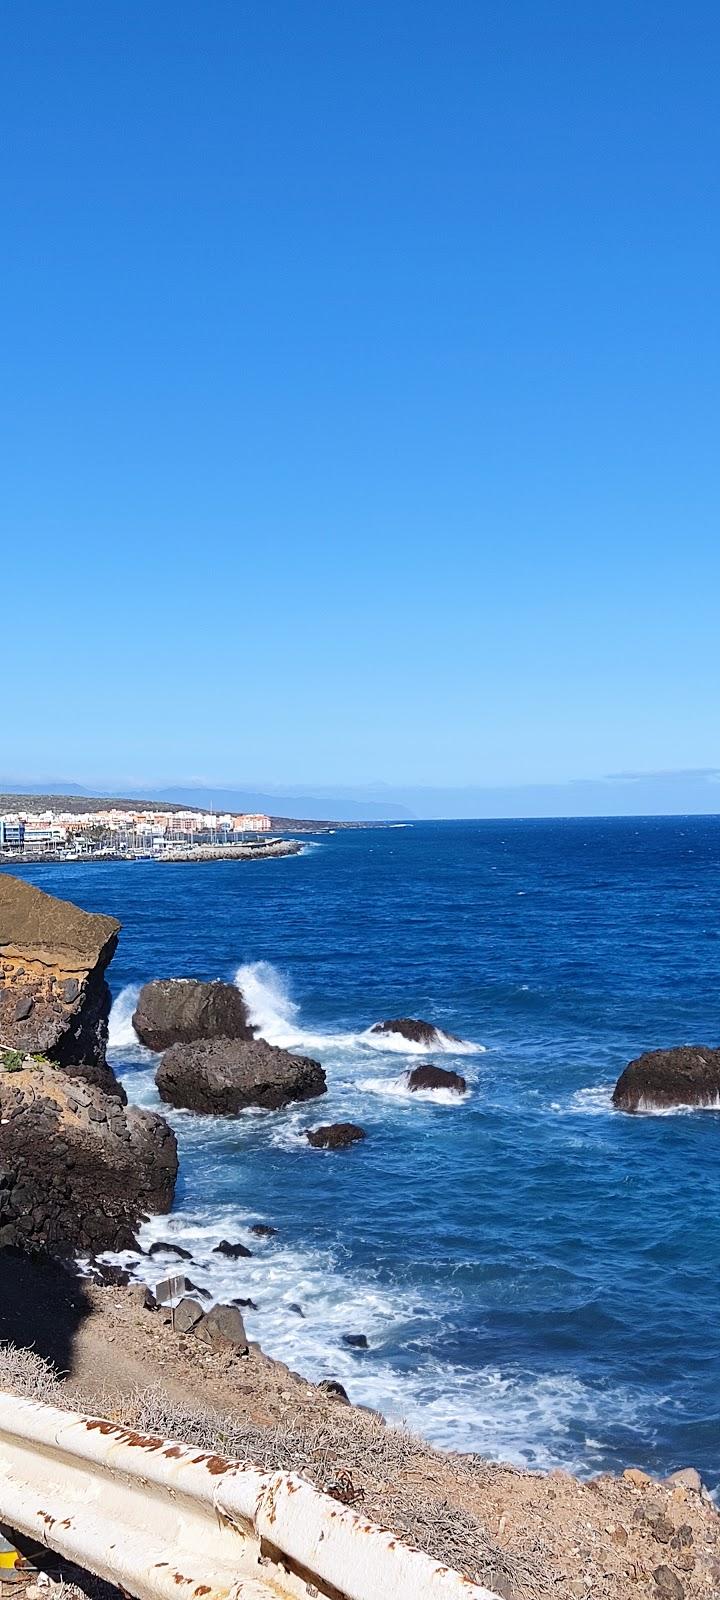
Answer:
(399, 1089)
(442, 1044)
(646, 1108)
(539, 1420)
(595, 1101)
(275, 1016)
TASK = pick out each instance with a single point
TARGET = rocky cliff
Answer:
(53, 996)
(78, 1169)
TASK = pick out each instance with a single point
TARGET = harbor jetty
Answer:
(256, 850)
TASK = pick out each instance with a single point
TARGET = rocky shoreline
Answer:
(79, 1172)
(526, 1535)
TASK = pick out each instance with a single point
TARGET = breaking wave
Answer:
(398, 1089)
(304, 1305)
(276, 1017)
(122, 1038)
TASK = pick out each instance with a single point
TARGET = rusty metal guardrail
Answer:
(169, 1521)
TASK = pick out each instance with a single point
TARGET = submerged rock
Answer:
(688, 1075)
(436, 1078)
(180, 1011)
(78, 1169)
(335, 1136)
(223, 1076)
(232, 1251)
(356, 1341)
(54, 1000)
(415, 1031)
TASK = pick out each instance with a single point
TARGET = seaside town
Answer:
(70, 836)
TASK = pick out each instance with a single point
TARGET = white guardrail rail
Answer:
(168, 1521)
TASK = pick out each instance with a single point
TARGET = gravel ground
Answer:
(527, 1535)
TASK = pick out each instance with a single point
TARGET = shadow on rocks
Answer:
(41, 1306)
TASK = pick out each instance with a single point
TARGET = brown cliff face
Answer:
(54, 999)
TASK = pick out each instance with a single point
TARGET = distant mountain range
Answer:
(327, 808)
(695, 791)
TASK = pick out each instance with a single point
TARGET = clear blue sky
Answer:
(360, 390)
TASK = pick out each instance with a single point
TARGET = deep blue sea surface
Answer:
(536, 1274)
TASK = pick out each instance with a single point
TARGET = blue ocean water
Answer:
(536, 1274)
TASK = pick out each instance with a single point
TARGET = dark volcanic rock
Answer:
(688, 1075)
(54, 999)
(436, 1078)
(180, 1011)
(414, 1031)
(77, 1168)
(356, 1341)
(225, 1075)
(262, 1230)
(223, 1325)
(187, 1315)
(163, 1247)
(336, 1390)
(232, 1251)
(335, 1136)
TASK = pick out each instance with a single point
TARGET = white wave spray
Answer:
(121, 1033)
(275, 1016)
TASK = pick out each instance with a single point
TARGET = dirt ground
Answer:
(526, 1535)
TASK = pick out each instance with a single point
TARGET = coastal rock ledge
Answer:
(223, 1076)
(77, 1168)
(53, 996)
(181, 1010)
(688, 1075)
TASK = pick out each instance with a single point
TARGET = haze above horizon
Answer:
(360, 400)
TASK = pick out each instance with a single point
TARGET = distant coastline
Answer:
(264, 850)
(55, 829)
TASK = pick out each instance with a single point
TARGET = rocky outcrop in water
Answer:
(223, 1076)
(181, 1011)
(415, 1031)
(335, 1136)
(54, 999)
(688, 1075)
(436, 1078)
(78, 1169)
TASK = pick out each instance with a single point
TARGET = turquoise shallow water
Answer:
(536, 1274)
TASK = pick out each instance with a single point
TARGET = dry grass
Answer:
(23, 1373)
(353, 1458)
(362, 1464)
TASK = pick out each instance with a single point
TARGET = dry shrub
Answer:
(351, 1455)
(24, 1373)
